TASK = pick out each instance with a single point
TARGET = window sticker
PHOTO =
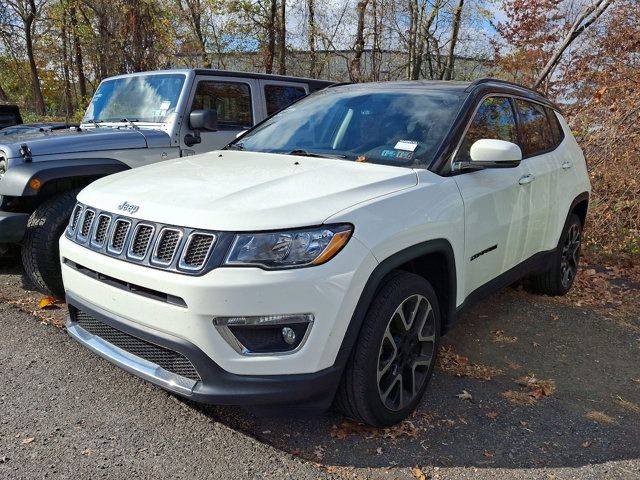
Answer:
(399, 154)
(407, 145)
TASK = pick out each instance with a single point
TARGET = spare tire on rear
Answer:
(40, 249)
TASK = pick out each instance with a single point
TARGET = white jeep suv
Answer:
(320, 256)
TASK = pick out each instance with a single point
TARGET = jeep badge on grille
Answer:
(127, 207)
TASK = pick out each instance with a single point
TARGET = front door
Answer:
(235, 102)
(496, 200)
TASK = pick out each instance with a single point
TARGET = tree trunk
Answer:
(586, 17)
(271, 36)
(411, 41)
(282, 40)
(68, 105)
(355, 66)
(311, 37)
(423, 39)
(82, 81)
(38, 100)
(3, 95)
(455, 30)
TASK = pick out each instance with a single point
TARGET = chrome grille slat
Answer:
(196, 251)
(165, 358)
(140, 241)
(166, 246)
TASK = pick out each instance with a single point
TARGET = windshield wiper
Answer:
(131, 122)
(303, 153)
(234, 146)
(95, 123)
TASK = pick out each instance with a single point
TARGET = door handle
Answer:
(567, 165)
(526, 179)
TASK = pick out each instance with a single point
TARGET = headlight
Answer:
(289, 249)
(3, 166)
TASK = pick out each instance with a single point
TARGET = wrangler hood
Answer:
(86, 140)
(241, 191)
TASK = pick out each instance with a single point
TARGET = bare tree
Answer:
(79, 60)
(355, 65)
(311, 38)
(585, 18)
(282, 39)
(455, 31)
(192, 11)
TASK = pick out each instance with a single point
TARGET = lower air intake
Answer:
(170, 360)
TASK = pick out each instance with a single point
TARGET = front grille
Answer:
(197, 250)
(86, 223)
(119, 235)
(170, 360)
(102, 228)
(141, 241)
(183, 250)
(166, 246)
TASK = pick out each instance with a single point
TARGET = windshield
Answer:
(402, 127)
(144, 98)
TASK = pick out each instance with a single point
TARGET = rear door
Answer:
(538, 144)
(496, 200)
(237, 103)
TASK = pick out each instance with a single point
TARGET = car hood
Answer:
(86, 140)
(242, 191)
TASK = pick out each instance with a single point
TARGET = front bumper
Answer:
(214, 385)
(12, 226)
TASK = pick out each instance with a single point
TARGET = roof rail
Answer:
(480, 81)
(339, 84)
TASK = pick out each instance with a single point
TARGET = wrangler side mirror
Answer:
(204, 120)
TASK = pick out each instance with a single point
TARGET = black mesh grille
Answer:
(101, 229)
(167, 244)
(197, 250)
(163, 357)
(141, 241)
(119, 235)
(86, 223)
(75, 217)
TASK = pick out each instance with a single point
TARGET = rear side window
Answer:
(535, 131)
(556, 129)
(494, 120)
(231, 100)
(280, 96)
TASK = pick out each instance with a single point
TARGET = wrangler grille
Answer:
(75, 217)
(141, 241)
(170, 360)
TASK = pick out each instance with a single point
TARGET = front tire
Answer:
(40, 249)
(395, 353)
(559, 278)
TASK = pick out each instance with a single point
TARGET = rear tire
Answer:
(393, 358)
(40, 249)
(559, 278)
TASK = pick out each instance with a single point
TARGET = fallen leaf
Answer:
(47, 302)
(599, 417)
(519, 398)
(418, 473)
(454, 364)
(628, 405)
(379, 451)
(586, 444)
(488, 454)
(492, 415)
(554, 317)
(86, 452)
(27, 440)
(464, 395)
(535, 345)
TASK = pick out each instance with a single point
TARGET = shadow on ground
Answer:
(592, 417)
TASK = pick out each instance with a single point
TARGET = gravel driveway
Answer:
(529, 387)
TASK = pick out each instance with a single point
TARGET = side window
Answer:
(231, 100)
(279, 96)
(493, 120)
(556, 129)
(535, 129)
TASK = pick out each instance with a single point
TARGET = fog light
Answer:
(265, 334)
(288, 335)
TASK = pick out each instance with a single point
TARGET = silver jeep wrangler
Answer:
(132, 120)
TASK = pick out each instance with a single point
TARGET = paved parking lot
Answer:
(529, 387)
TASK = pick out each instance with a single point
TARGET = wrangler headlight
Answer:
(289, 248)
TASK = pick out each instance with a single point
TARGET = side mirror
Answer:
(495, 153)
(204, 120)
